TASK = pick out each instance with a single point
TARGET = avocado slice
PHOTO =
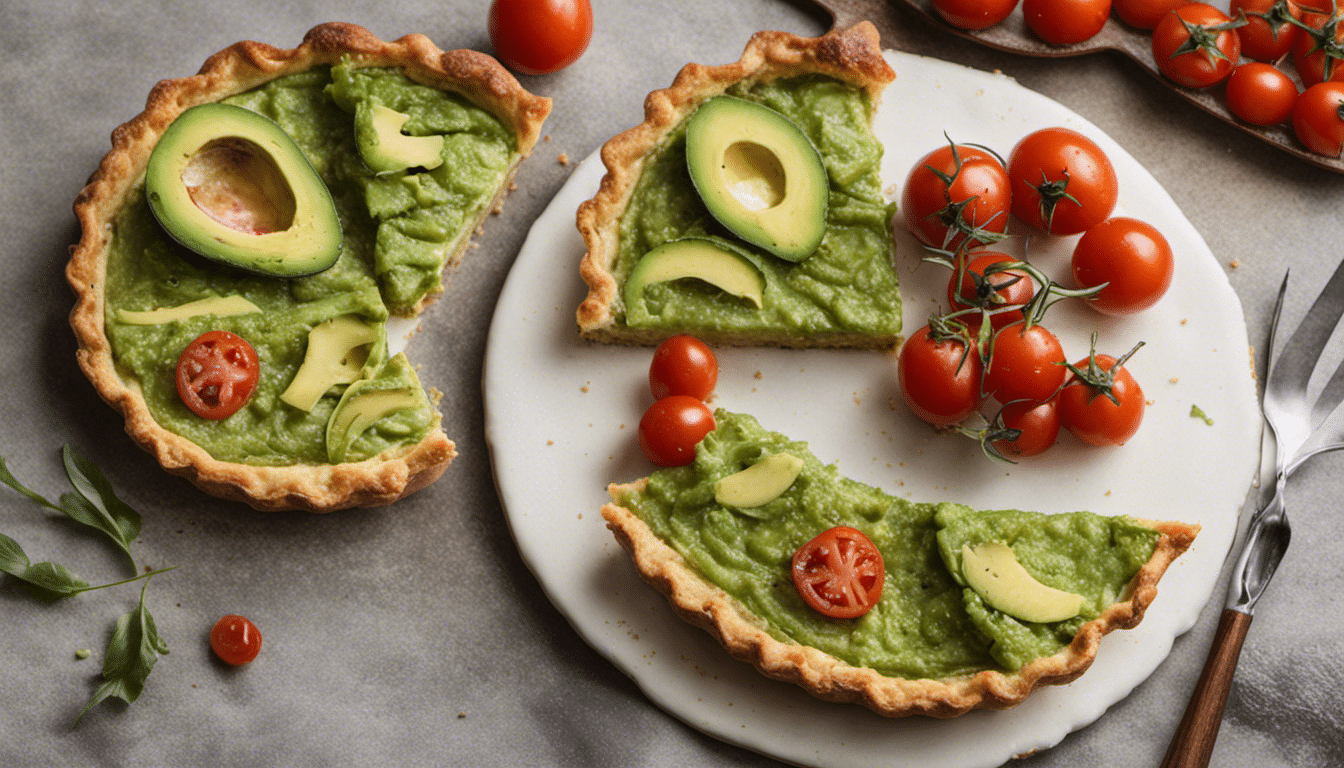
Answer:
(231, 185)
(713, 261)
(759, 175)
(385, 148)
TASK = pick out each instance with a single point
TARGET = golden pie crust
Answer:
(827, 677)
(852, 55)
(238, 68)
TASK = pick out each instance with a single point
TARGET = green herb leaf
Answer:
(1198, 413)
(13, 560)
(47, 581)
(8, 478)
(131, 653)
(96, 504)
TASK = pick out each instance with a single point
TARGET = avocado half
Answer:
(759, 176)
(231, 185)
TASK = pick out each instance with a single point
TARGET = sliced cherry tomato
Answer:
(1086, 407)
(537, 37)
(235, 640)
(1025, 364)
(974, 14)
(1318, 52)
(683, 365)
(1003, 288)
(216, 374)
(839, 573)
(1037, 425)
(939, 377)
(954, 193)
(1269, 32)
(1196, 45)
(1064, 22)
(671, 427)
(1261, 94)
(1144, 14)
(1062, 181)
(1318, 118)
(1131, 257)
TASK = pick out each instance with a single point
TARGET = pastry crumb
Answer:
(82, 654)
(584, 388)
(1234, 263)
(563, 159)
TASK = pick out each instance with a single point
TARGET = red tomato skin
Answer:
(974, 14)
(1196, 69)
(1132, 257)
(683, 365)
(671, 428)
(937, 384)
(1092, 417)
(235, 640)
(1012, 294)
(1065, 22)
(1039, 423)
(1313, 65)
(538, 37)
(1027, 364)
(982, 176)
(216, 374)
(1051, 152)
(1317, 118)
(1144, 14)
(845, 555)
(1261, 94)
(1260, 40)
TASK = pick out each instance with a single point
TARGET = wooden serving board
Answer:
(913, 26)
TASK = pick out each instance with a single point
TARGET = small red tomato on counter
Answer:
(955, 195)
(235, 640)
(996, 293)
(683, 365)
(1196, 45)
(1144, 14)
(1260, 93)
(1025, 363)
(974, 14)
(839, 573)
(1318, 118)
(1036, 424)
(1062, 181)
(1269, 32)
(1318, 51)
(538, 37)
(671, 427)
(1102, 404)
(216, 374)
(1065, 22)
(1131, 258)
(939, 376)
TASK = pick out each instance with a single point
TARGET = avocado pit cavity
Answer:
(235, 183)
(754, 176)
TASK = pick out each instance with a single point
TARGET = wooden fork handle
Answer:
(1192, 744)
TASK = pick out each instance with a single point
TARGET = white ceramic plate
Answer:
(561, 420)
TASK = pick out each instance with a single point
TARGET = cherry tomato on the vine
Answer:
(1037, 423)
(235, 640)
(839, 573)
(1268, 33)
(1086, 410)
(939, 377)
(1064, 22)
(1000, 290)
(1062, 181)
(216, 374)
(1318, 118)
(683, 365)
(1260, 93)
(537, 37)
(974, 14)
(953, 193)
(1196, 45)
(671, 427)
(1144, 14)
(1131, 257)
(1026, 363)
(1318, 51)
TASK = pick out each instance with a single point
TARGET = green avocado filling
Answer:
(397, 229)
(927, 624)
(848, 285)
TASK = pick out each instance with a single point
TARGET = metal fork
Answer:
(1297, 426)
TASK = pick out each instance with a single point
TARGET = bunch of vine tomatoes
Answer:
(1255, 49)
(990, 355)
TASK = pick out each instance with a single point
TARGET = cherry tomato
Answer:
(1064, 22)
(1002, 289)
(839, 573)
(671, 427)
(939, 377)
(683, 365)
(235, 640)
(1086, 410)
(1318, 118)
(1025, 364)
(1062, 181)
(1268, 33)
(974, 14)
(1261, 94)
(1196, 45)
(216, 374)
(1131, 257)
(943, 214)
(537, 37)
(1144, 14)
(1037, 423)
(1318, 51)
